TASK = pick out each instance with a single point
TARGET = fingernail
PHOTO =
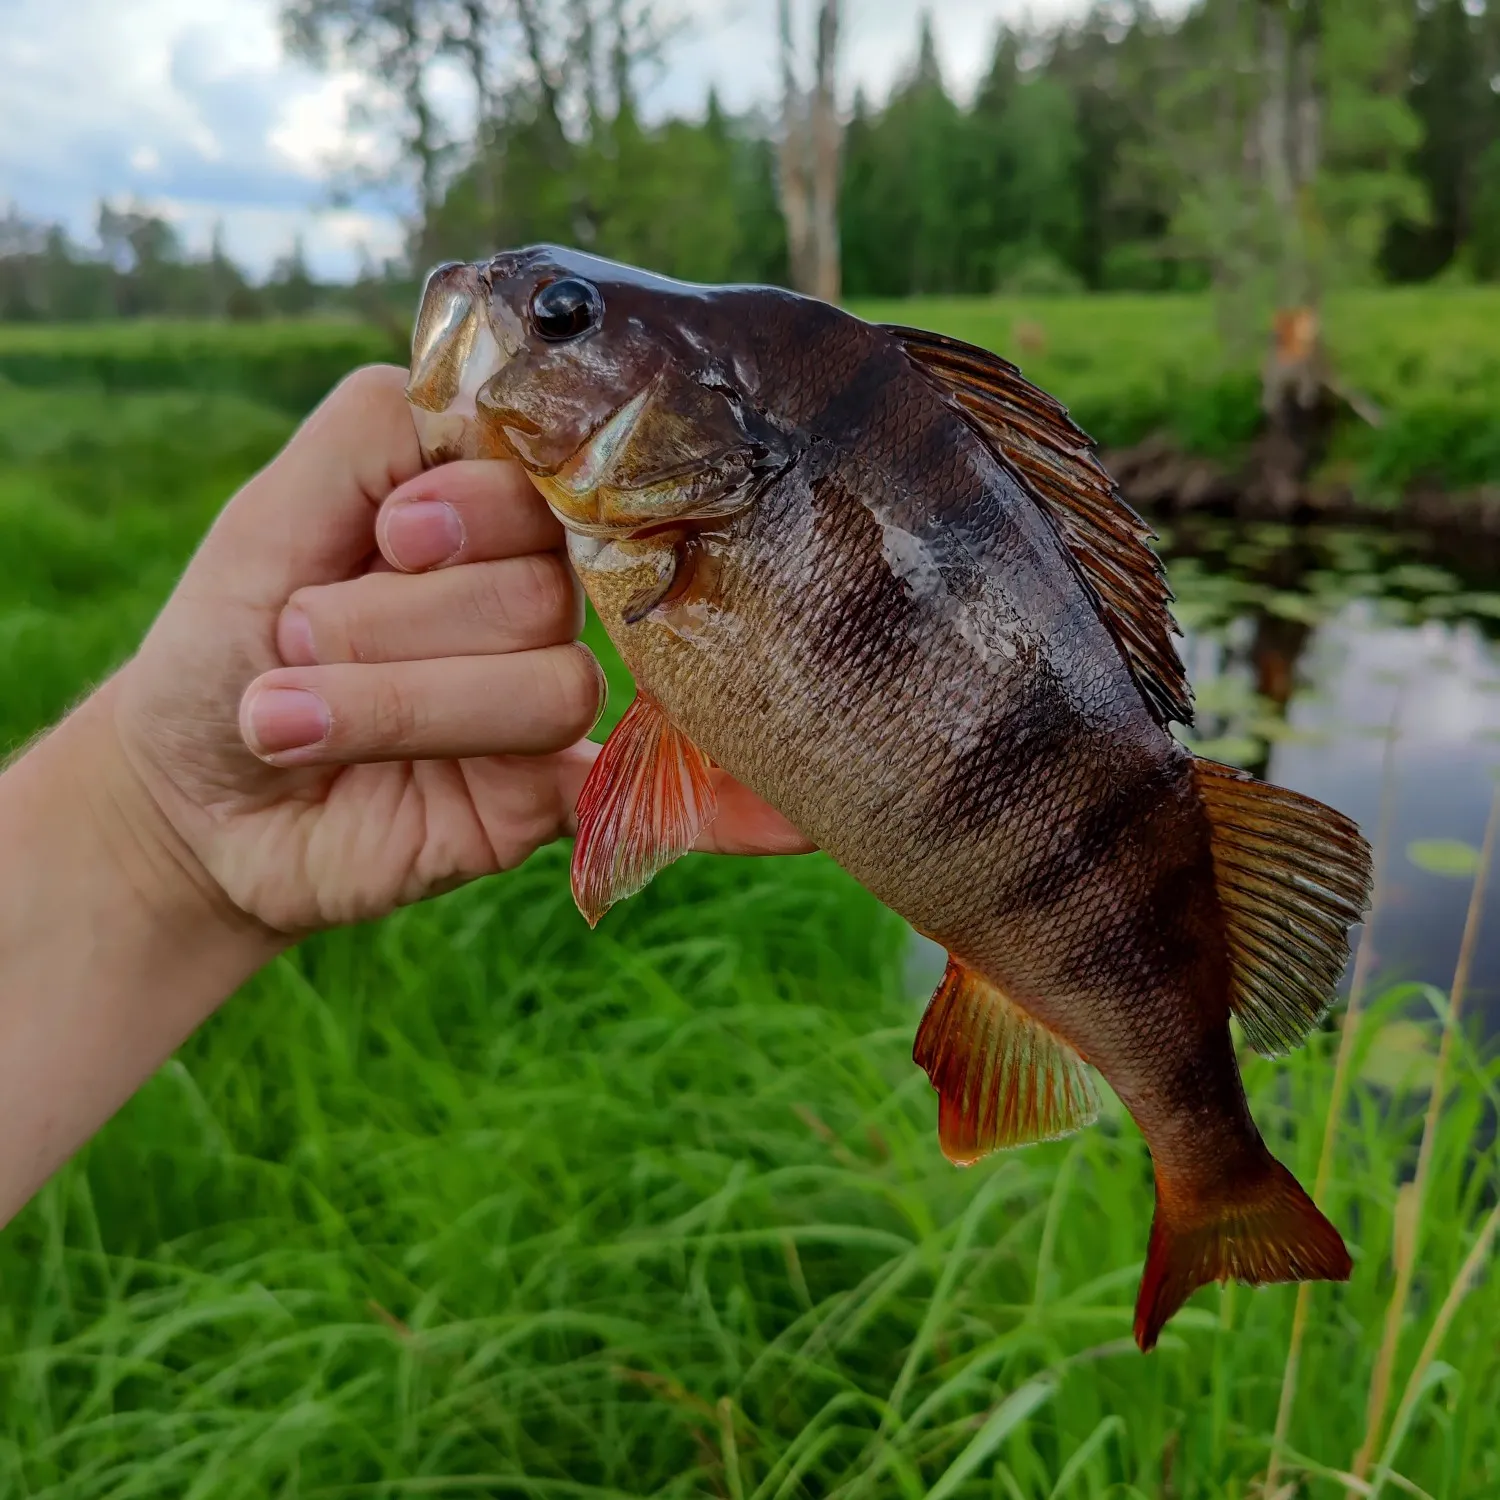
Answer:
(294, 639)
(282, 719)
(601, 682)
(423, 534)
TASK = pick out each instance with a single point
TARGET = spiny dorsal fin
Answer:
(1002, 1078)
(1033, 435)
(1293, 876)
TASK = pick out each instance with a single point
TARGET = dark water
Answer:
(1303, 645)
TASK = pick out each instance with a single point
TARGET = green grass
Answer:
(1131, 364)
(1126, 364)
(287, 364)
(473, 1201)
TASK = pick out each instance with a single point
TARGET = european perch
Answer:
(883, 581)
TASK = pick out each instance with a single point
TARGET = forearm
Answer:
(112, 947)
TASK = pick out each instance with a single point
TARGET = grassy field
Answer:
(473, 1202)
(1126, 364)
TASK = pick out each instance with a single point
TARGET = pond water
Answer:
(1303, 645)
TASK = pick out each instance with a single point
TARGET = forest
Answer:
(1124, 151)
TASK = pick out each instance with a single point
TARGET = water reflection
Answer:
(1302, 648)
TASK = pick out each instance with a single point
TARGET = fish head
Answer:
(601, 380)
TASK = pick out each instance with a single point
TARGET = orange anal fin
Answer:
(1002, 1078)
(1268, 1230)
(647, 798)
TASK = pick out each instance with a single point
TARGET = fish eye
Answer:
(565, 308)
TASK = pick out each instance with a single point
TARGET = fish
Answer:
(885, 582)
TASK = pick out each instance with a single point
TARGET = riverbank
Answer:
(1160, 478)
(1145, 376)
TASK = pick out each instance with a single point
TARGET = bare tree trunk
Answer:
(532, 32)
(1275, 147)
(810, 160)
(473, 47)
(1295, 392)
(826, 140)
(795, 174)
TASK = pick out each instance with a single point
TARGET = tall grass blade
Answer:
(1420, 1381)
(999, 1425)
(1079, 1458)
(1409, 1223)
(1338, 1091)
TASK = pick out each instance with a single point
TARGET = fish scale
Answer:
(880, 580)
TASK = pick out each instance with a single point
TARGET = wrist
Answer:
(83, 782)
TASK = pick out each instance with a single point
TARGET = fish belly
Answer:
(1019, 807)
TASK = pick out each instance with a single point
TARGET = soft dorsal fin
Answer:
(1292, 876)
(1110, 544)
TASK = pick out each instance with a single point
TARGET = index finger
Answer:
(472, 510)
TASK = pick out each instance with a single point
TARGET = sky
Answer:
(191, 106)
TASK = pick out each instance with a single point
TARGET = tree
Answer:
(394, 43)
(811, 138)
(1454, 64)
(291, 290)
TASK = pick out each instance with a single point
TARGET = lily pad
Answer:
(1400, 1057)
(1443, 856)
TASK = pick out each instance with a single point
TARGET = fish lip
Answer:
(443, 335)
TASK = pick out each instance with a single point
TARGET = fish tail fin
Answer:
(1267, 1230)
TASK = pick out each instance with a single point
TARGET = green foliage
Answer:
(1126, 365)
(1444, 856)
(475, 1201)
(291, 365)
(1455, 46)
(686, 199)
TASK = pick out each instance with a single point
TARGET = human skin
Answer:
(365, 690)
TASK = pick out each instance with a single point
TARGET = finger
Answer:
(525, 703)
(468, 511)
(744, 824)
(309, 516)
(747, 825)
(486, 609)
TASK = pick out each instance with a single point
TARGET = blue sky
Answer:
(191, 106)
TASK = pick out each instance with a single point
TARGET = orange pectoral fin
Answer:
(647, 798)
(1002, 1078)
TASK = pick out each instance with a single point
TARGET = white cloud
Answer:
(192, 106)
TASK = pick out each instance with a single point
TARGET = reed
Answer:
(1338, 1091)
(1412, 1202)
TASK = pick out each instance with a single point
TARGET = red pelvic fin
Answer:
(1270, 1230)
(1002, 1078)
(647, 798)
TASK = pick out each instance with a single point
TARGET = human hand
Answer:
(366, 688)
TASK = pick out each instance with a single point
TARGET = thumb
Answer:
(308, 517)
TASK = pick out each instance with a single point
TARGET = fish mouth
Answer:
(458, 350)
(454, 351)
